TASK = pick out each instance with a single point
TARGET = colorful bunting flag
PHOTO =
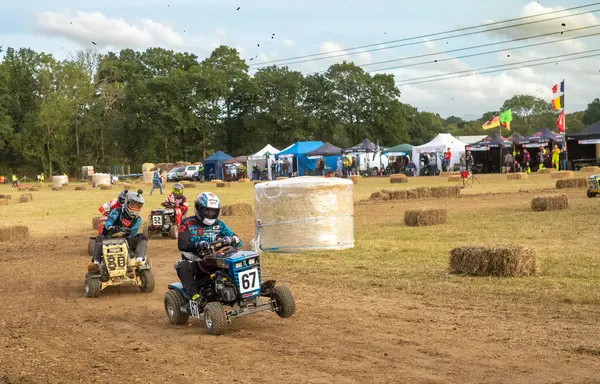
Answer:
(562, 87)
(558, 103)
(506, 118)
(492, 123)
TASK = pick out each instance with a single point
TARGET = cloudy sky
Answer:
(288, 29)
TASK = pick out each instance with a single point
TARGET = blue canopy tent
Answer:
(214, 164)
(298, 151)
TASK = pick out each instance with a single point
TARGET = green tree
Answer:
(592, 112)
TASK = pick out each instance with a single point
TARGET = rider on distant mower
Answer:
(195, 235)
(178, 201)
(107, 208)
(127, 216)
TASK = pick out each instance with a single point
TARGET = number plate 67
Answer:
(249, 280)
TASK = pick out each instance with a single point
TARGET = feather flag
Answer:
(506, 118)
(560, 122)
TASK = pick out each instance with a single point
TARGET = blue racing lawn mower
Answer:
(234, 290)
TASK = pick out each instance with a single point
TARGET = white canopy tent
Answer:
(264, 157)
(438, 145)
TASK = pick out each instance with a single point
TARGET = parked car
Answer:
(175, 174)
(190, 172)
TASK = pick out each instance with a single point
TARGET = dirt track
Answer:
(341, 333)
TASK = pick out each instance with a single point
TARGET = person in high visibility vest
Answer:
(15, 181)
(555, 155)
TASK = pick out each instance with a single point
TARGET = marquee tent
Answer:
(263, 158)
(297, 152)
(438, 145)
(399, 150)
(494, 140)
(326, 149)
(542, 137)
(516, 138)
(215, 163)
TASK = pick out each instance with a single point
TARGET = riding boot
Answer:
(140, 250)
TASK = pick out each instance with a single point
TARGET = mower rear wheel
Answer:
(91, 245)
(174, 231)
(173, 301)
(92, 287)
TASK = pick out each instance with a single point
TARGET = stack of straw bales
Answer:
(504, 261)
(444, 174)
(579, 182)
(416, 193)
(241, 209)
(5, 196)
(26, 198)
(16, 233)
(561, 175)
(550, 203)
(215, 181)
(398, 178)
(223, 185)
(595, 170)
(423, 217)
(547, 170)
(189, 185)
(454, 178)
(105, 187)
(80, 188)
(516, 176)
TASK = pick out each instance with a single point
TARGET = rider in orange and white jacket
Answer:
(178, 201)
(107, 207)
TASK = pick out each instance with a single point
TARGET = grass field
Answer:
(386, 311)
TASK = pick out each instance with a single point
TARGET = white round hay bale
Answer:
(100, 179)
(305, 214)
(59, 181)
(148, 177)
(147, 167)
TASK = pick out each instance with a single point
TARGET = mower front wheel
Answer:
(91, 245)
(92, 287)
(284, 300)
(174, 231)
(147, 281)
(215, 319)
(590, 194)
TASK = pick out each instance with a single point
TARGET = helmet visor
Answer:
(177, 191)
(209, 213)
(135, 206)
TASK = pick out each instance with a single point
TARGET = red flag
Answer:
(555, 88)
(560, 122)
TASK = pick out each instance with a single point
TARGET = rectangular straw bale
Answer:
(379, 196)
(80, 188)
(244, 181)
(547, 170)
(26, 198)
(412, 194)
(16, 233)
(579, 182)
(562, 175)
(189, 185)
(223, 185)
(550, 203)
(3, 201)
(422, 192)
(34, 189)
(423, 217)
(454, 178)
(240, 209)
(8, 197)
(500, 261)
(398, 178)
(516, 176)
(60, 188)
(445, 191)
(444, 174)
(399, 195)
(215, 181)
(592, 169)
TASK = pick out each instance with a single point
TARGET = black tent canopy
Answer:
(591, 132)
(543, 136)
(493, 140)
(326, 149)
(516, 138)
(365, 146)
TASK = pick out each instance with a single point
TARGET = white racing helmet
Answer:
(134, 203)
(207, 208)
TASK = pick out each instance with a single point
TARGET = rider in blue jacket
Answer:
(196, 233)
(125, 217)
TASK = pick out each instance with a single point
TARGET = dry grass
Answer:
(454, 178)
(34, 189)
(579, 182)
(398, 178)
(446, 174)
(127, 186)
(281, 178)
(244, 181)
(592, 169)
(57, 189)
(424, 217)
(550, 203)
(562, 175)
(15, 233)
(105, 187)
(95, 221)
(3, 201)
(516, 176)
(239, 209)
(223, 185)
(354, 178)
(546, 170)
(26, 198)
(503, 261)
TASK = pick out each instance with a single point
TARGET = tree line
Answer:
(131, 107)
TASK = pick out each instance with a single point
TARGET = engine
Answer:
(225, 289)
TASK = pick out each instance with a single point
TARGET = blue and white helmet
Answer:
(134, 202)
(207, 208)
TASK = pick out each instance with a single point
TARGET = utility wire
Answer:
(480, 71)
(345, 51)
(480, 53)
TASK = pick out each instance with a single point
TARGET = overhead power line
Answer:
(482, 53)
(344, 52)
(480, 71)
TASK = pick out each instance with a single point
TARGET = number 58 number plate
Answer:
(249, 280)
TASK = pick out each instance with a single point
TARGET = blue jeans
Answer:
(156, 185)
(563, 164)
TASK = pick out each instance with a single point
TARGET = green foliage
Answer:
(131, 107)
